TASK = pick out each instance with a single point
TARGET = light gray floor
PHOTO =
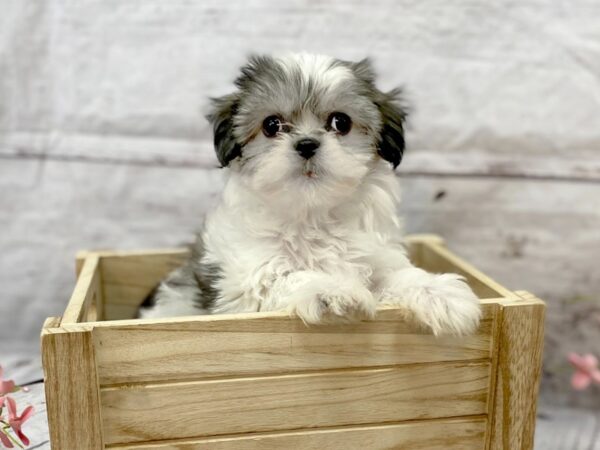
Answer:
(567, 429)
(557, 428)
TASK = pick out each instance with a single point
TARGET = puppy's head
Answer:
(305, 130)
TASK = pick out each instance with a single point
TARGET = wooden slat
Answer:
(128, 277)
(141, 413)
(116, 311)
(437, 259)
(244, 346)
(441, 434)
(72, 394)
(520, 345)
(217, 321)
(414, 244)
(87, 291)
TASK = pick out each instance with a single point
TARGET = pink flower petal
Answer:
(15, 421)
(590, 361)
(24, 439)
(596, 376)
(7, 387)
(5, 440)
(12, 408)
(574, 358)
(26, 414)
(587, 362)
(580, 380)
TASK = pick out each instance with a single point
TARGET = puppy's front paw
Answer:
(444, 303)
(335, 303)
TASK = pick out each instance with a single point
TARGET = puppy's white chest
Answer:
(314, 249)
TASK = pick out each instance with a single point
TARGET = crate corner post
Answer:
(72, 390)
(521, 335)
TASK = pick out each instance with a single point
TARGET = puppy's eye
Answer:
(339, 122)
(271, 126)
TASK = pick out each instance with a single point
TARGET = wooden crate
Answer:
(267, 381)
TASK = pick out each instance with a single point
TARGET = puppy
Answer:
(308, 221)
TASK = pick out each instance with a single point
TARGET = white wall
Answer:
(103, 144)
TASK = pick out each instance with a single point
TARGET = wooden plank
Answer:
(385, 312)
(504, 164)
(520, 344)
(557, 428)
(493, 369)
(414, 245)
(128, 277)
(87, 290)
(72, 393)
(437, 259)
(439, 434)
(116, 311)
(332, 398)
(51, 322)
(182, 350)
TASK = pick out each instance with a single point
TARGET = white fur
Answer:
(321, 247)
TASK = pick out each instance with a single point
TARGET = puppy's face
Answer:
(305, 130)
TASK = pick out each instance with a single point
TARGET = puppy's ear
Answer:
(364, 70)
(221, 118)
(393, 114)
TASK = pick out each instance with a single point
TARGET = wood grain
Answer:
(439, 434)
(435, 258)
(557, 428)
(128, 277)
(521, 338)
(72, 393)
(346, 397)
(275, 344)
(87, 291)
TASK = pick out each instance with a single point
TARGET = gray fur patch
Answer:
(195, 279)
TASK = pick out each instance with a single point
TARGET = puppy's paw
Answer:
(335, 303)
(443, 303)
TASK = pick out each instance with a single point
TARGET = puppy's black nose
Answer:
(306, 147)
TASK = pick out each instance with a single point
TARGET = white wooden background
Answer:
(103, 144)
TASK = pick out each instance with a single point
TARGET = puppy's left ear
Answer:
(223, 110)
(393, 115)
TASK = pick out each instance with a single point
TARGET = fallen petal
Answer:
(580, 381)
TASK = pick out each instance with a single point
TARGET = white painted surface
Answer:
(503, 77)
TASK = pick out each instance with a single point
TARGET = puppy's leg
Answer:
(442, 302)
(318, 297)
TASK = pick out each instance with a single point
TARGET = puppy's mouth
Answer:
(309, 170)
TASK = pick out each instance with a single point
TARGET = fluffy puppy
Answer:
(308, 221)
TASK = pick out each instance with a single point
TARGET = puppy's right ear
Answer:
(221, 118)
